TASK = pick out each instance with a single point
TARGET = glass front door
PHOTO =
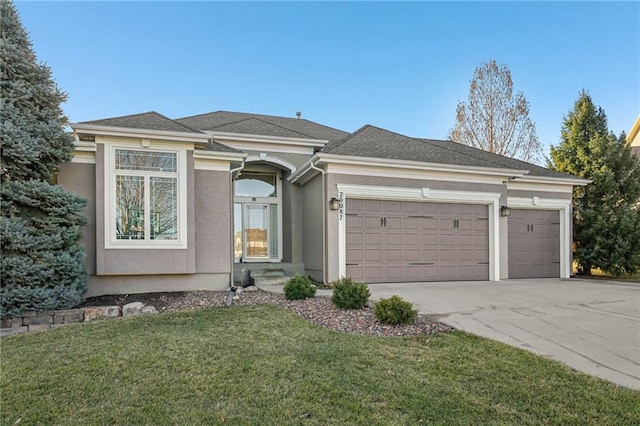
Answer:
(256, 231)
(256, 216)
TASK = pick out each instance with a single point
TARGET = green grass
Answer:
(266, 366)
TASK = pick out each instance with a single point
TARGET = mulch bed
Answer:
(318, 310)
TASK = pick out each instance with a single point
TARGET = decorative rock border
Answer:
(44, 320)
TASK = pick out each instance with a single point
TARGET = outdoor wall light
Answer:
(334, 203)
(505, 211)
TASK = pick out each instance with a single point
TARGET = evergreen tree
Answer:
(42, 264)
(607, 211)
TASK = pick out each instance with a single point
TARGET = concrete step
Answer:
(271, 281)
(267, 273)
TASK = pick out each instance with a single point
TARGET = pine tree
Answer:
(607, 211)
(42, 264)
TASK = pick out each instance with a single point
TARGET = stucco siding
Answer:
(123, 261)
(212, 221)
(80, 179)
(129, 284)
(312, 229)
(291, 223)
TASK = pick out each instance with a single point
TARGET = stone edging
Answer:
(44, 320)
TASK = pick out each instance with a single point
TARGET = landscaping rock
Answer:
(131, 309)
(251, 288)
(148, 310)
(92, 313)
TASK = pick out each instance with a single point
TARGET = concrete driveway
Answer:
(592, 326)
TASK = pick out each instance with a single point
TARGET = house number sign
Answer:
(341, 209)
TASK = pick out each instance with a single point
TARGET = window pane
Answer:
(273, 231)
(237, 231)
(148, 161)
(129, 207)
(164, 208)
(255, 184)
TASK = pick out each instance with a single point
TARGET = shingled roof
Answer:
(147, 120)
(248, 123)
(374, 142)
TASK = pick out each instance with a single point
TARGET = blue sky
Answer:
(401, 66)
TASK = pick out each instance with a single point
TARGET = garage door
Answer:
(399, 241)
(534, 244)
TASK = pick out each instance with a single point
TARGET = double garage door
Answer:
(396, 241)
(534, 244)
(401, 241)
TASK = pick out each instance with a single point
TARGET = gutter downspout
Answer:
(231, 197)
(324, 222)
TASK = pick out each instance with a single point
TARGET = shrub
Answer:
(299, 287)
(394, 311)
(348, 294)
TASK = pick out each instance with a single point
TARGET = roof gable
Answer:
(147, 120)
(255, 126)
(308, 129)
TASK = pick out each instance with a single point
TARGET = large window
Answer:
(146, 197)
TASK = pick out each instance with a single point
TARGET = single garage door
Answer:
(534, 244)
(400, 241)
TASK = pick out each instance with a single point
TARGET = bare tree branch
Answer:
(494, 119)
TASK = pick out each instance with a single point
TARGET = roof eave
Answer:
(219, 155)
(345, 159)
(557, 180)
(96, 129)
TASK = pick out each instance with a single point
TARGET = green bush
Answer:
(394, 310)
(299, 287)
(348, 294)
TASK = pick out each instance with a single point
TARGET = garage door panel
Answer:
(394, 239)
(410, 223)
(481, 225)
(534, 244)
(421, 241)
(410, 239)
(393, 222)
(446, 240)
(430, 255)
(355, 255)
(430, 224)
(372, 239)
(373, 255)
(394, 255)
(411, 255)
(372, 222)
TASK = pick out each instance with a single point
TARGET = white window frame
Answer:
(111, 242)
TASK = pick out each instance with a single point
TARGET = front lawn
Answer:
(265, 365)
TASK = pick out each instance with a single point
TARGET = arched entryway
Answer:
(258, 209)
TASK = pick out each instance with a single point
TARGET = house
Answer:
(633, 138)
(189, 203)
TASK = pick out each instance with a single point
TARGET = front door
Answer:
(257, 217)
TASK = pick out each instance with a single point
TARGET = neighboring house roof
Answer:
(374, 142)
(220, 120)
(147, 120)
